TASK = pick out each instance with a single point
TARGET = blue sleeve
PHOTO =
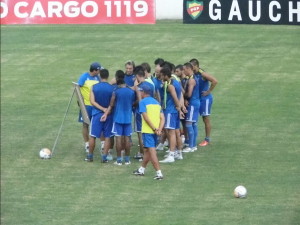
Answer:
(142, 107)
(81, 80)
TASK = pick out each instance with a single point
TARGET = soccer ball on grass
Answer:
(45, 153)
(240, 192)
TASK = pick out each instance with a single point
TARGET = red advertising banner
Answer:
(77, 12)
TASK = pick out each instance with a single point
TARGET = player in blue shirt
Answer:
(129, 75)
(158, 66)
(172, 112)
(86, 81)
(183, 80)
(206, 85)
(140, 83)
(192, 102)
(100, 96)
(122, 102)
(159, 87)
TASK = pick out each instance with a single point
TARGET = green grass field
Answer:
(255, 138)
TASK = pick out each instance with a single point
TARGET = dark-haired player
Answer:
(86, 81)
(172, 112)
(122, 101)
(100, 99)
(192, 102)
(152, 124)
(206, 85)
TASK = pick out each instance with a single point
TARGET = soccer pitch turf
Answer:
(255, 136)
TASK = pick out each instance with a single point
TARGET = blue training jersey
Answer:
(124, 99)
(154, 80)
(184, 83)
(204, 85)
(159, 86)
(129, 80)
(102, 92)
(170, 104)
(195, 98)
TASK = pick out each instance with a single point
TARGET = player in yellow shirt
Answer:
(152, 124)
(86, 81)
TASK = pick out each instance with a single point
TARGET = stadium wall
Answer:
(169, 9)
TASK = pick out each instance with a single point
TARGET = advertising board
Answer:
(242, 11)
(77, 12)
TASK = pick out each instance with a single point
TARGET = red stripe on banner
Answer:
(77, 12)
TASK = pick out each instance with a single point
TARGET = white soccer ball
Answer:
(240, 192)
(45, 153)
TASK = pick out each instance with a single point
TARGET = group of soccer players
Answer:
(163, 106)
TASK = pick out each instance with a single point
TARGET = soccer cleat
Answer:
(160, 147)
(178, 156)
(118, 163)
(188, 149)
(138, 156)
(185, 145)
(127, 163)
(169, 159)
(105, 161)
(137, 172)
(204, 143)
(158, 177)
(194, 148)
(109, 157)
(88, 159)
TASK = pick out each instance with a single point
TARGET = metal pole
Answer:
(62, 123)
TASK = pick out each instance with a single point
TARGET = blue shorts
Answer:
(192, 114)
(149, 140)
(89, 110)
(205, 106)
(119, 129)
(138, 122)
(97, 127)
(172, 121)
